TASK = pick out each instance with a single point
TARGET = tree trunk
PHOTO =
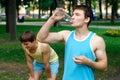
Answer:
(11, 18)
(59, 4)
(39, 15)
(88, 3)
(53, 7)
(100, 9)
(74, 3)
(116, 9)
(113, 11)
(7, 17)
(106, 17)
(69, 7)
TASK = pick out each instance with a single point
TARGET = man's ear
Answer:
(87, 19)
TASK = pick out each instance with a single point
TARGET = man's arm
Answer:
(45, 36)
(30, 66)
(100, 53)
(98, 46)
(46, 58)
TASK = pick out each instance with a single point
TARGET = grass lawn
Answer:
(13, 63)
(105, 23)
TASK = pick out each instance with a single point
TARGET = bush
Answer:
(112, 33)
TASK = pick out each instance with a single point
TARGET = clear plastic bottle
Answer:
(67, 17)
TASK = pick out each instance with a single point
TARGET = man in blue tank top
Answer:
(84, 50)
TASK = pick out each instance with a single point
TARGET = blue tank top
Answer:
(74, 47)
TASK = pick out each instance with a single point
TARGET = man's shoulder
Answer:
(44, 45)
(65, 31)
(97, 38)
(98, 42)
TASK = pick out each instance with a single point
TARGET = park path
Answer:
(63, 23)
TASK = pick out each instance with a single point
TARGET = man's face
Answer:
(78, 18)
(27, 45)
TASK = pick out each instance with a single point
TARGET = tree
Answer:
(74, 3)
(11, 18)
(106, 3)
(39, 9)
(18, 3)
(58, 4)
(100, 2)
(88, 3)
(114, 10)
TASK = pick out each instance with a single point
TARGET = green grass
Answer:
(29, 19)
(105, 23)
(13, 62)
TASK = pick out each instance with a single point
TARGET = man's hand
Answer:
(31, 78)
(49, 79)
(81, 60)
(58, 14)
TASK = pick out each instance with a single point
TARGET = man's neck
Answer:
(81, 33)
(33, 49)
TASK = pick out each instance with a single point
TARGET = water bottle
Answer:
(67, 17)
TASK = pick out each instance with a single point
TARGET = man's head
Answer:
(28, 39)
(27, 36)
(87, 12)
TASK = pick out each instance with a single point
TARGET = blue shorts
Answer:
(39, 67)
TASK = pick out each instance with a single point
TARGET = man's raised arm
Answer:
(44, 35)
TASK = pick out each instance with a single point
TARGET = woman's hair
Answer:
(27, 36)
(87, 11)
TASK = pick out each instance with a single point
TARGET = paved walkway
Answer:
(63, 23)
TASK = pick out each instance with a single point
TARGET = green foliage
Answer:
(112, 33)
(2, 3)
(45, 4)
